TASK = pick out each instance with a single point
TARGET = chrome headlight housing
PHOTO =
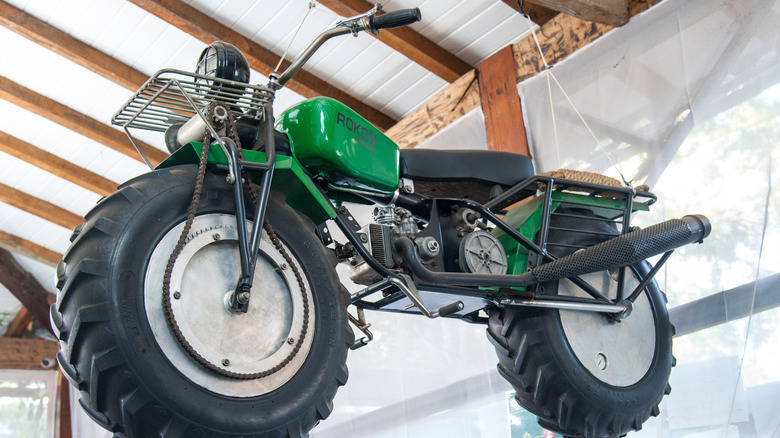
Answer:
(222, 61)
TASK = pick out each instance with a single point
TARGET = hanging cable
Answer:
(555, 127)
(548, 68)
(312, 5)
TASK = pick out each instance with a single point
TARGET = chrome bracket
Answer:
(359, 22)
(620, 308)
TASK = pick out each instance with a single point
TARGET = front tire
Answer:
(236, 375)
(580, 373)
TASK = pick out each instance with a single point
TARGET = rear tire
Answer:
(137, 382)
(581, 374)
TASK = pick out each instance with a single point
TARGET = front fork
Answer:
(248, 245)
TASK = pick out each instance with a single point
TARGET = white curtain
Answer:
(696, 73)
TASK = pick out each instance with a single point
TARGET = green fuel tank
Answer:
(329, 139)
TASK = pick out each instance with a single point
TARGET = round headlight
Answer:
(224, 61)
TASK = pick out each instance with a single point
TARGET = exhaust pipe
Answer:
(624, 250)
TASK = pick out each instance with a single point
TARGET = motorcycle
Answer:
(201, 298)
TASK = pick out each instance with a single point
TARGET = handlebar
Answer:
(404, 17)
(368, 21)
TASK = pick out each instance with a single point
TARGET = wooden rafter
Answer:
(55, 165)
(409, 43)
(25, 288)
(538, 14)
(559, 38)
(26, 354)
(208, 30)
(501, 104)
(71, 48)
(23, 319)
(19, 324)
(75, 121)
(29, 249)
(611, 12)
(39, 207)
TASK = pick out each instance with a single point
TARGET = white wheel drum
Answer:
(617, 353)
(205, 273)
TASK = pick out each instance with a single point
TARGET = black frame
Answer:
(442, 282)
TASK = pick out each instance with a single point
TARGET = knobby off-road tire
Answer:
(579, 373)
(136, 379)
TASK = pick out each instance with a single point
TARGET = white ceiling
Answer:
(363, 66)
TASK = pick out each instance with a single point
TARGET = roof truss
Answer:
(414, 46)
(559, 37)
(208, 30)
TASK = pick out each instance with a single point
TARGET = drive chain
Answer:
(167, 309)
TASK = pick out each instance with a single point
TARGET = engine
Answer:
(457, 242)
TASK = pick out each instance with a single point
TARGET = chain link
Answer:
(167, 309)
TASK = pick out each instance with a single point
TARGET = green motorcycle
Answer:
(201, 299)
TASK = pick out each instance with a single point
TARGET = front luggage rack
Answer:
(172, 97)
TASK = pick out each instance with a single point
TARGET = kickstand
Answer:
(360, 323)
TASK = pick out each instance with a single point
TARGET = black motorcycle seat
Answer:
(483, 166)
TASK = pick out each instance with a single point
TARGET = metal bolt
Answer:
(47, 362)
(216, 236)
(433, 245)
(363, 238)
(225, 362)
(290, 341)
(408, 189)
(176, 295)
(243, 297)
(601, 361)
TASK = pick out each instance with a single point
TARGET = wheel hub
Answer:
(617, 353)
(244, 344)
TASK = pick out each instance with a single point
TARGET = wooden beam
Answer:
(71, 48)
(409, 43)
(39, 207)
(75, 121)
(501, 104)
(19, 324)
(29, 249)
(208, 30)
(559, 38)
(610, 12)
(62, 411)
(25, 288)
(440, 111)
(538, 14)
(55, 165)
(22, 320)
(26, 354)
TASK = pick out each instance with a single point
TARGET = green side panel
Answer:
(527, 219)
(331, 140)
(289, 178)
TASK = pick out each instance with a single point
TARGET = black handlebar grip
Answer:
(394, 19)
